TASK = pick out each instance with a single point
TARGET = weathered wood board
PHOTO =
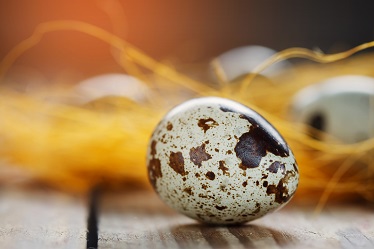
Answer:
(140, 220)
(45, 219)
(41, 219)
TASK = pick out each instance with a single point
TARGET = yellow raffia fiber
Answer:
(77, 147)
(71, 147)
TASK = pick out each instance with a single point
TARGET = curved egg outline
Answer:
(220, 162)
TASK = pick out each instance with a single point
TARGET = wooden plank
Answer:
(330, 229)
(41, 219)
(141, 220)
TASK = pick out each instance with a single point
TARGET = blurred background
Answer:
(184, 35)
(180, 31)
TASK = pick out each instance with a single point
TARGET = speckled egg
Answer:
(220, 162)
(341, 107)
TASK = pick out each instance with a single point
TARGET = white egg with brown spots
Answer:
(220, 162)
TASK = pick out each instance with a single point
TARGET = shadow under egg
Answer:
(221, 236)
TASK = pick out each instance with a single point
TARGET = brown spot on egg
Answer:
(206, 124)
(223, 168)
(220, 207)
(169, 126)
(244, 184)
(288, 176)
(153, 148)
(154, 171)
(210, 175)
(176, 162)
(275, 166)
(249, 151)
(204, 186)
(262, 130)
(163, 140)
(197, 175)
(257, 210)
(254, 145)
(265, 184)
(154, 165)
(188, 190)
(295, 167)
(258, 141)
(242, 167)
(222, 188)
(280, 191)
(199, 155)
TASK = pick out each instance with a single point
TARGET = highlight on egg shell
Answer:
(220, 162)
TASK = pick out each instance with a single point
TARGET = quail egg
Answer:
(111, 85)
(220, 162)
(342, 107)
(243, 60)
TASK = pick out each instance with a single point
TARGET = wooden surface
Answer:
(44, 219)
(142, 221)
(41, 219)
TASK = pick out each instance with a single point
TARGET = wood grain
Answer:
(141, 220)
(45, 219)
(41, 219)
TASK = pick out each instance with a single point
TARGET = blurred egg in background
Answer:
(340, 106)
(111, 86)
(240, 61)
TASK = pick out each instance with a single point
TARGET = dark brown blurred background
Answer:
(186, 31)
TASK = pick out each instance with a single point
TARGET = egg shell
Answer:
(342, 107)
(111, 85)
(220, 162)
(243, 60)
